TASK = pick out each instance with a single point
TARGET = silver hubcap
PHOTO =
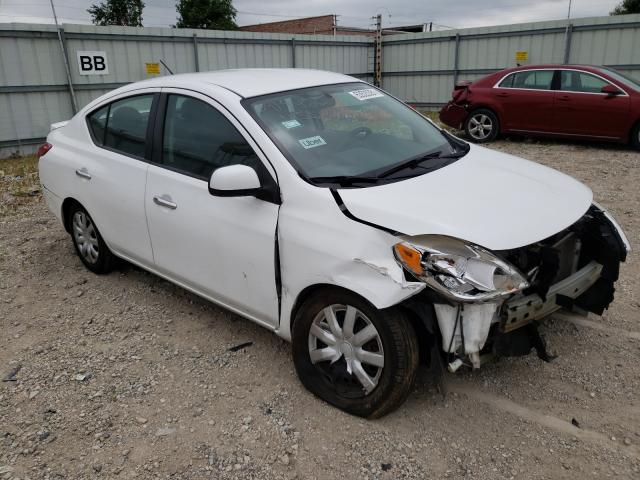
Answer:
(84, 234)
(343, 331)
(480, 126)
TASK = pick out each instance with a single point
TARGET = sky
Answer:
(355, 13)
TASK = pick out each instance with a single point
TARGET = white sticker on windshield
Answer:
(291, 124)
(366, 94)
(312, 142)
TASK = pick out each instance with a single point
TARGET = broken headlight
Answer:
(460, 271)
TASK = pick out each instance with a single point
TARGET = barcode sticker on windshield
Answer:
(291, 124)
(312, 142)
(366, 94)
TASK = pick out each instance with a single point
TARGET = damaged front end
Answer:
(487, 303)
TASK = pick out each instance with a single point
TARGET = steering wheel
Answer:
(360, 133)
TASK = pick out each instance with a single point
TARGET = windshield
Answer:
(348, 131)
(622, 78)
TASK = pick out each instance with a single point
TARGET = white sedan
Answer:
(328, 211)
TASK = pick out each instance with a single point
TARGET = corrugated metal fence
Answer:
(35, 91)
(420, 68)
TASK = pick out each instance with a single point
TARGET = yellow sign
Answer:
(153, 68)
(522, 56)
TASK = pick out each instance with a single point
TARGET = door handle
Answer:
(164, 201)
(83, 173)
(564, 98)
(502, 94)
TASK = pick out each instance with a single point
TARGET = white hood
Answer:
(489, 198)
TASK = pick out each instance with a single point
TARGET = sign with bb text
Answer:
(92, 63)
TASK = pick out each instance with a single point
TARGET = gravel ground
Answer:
(128, 376)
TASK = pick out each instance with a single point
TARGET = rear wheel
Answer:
(357, 358)
(635, 136)
(482, 126)
(88, 242)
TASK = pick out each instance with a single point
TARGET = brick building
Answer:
(321, 25)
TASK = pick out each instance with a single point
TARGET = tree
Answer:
(117, 12)
(627, 6)
(209, 14)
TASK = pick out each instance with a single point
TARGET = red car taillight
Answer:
(44, 148)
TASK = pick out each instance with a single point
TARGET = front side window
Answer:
(532, 79)
(572, 81)
(622, 78)
(347, 130)
(197, 139)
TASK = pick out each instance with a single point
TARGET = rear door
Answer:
(526, 99)
(221, 247)
(112, 173)
(582, 109)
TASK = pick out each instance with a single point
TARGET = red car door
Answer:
(525, 100)
(582, 109)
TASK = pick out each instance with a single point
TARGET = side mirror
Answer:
(611, 90)
(234, 181)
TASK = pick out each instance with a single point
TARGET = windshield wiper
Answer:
(411, 163)
(417, 161)
(345, 180)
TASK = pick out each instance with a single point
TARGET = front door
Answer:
(221, 247)
(582, 109)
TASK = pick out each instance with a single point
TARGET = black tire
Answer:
(332, 382)
(482, 126)
(635, 136)
(99, 260)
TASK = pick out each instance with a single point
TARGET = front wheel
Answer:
(481, 126)
(357, 358)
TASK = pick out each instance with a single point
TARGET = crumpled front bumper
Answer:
(522, 310)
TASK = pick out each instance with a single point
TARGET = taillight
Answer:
(44, 148)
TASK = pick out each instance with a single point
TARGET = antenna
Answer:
(165, 66)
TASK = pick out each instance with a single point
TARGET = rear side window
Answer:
(507, 82)
(98, 124)
(122, 125)
(529, 79)
(197, 139)
(127, 125)
(571, 81)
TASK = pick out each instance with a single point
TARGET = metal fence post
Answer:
(456, 58)
(377, 71)
(293, 52)
(65, 57)
(567, 43)
(196, 59)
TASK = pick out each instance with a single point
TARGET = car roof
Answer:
(249, 82)
(588, 68)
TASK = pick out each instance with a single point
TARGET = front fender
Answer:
(332, 250)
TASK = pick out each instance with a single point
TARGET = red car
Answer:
(572, 101)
